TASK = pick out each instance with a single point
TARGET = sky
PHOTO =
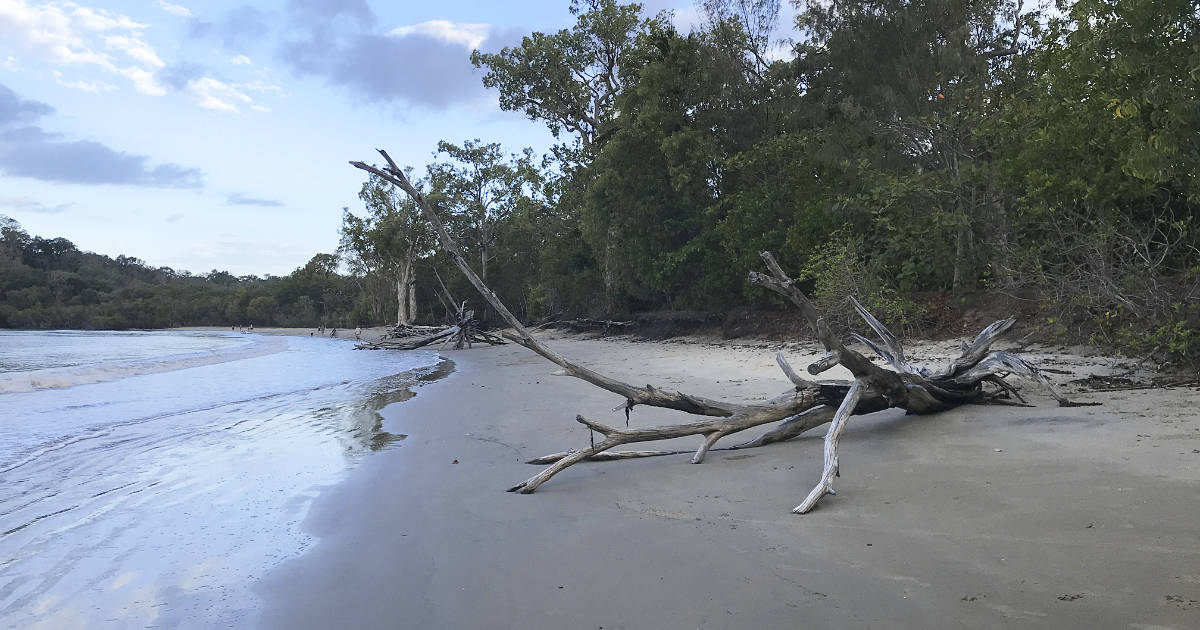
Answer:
(216, 135)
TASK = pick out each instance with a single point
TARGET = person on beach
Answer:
(358, 333)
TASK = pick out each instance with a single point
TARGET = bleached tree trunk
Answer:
(401, 283)
(406, 283)
(412, 292)
(402, 272)
(916, 388)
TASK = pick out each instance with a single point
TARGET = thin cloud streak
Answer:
(27, 204)
(241, 199)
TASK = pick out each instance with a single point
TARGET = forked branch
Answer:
(647, 395)
(806, 405)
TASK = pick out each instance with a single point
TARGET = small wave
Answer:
(58, 378)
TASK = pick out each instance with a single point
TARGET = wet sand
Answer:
(372, 334)
(983, 517)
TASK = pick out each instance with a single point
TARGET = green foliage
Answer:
(838, 271)
(49, 283)
(905, 149)
(569, 79)
(381, 250)
(908, 153)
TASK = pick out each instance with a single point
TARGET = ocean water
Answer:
(148, 478)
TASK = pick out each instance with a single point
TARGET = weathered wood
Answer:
(410, 343)
(411, 337)
(832, 438)
(584, 324)
(917, 389)
(648, 395)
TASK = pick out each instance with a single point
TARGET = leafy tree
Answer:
(920, 77)
(569, 79)
(480, 189)
(389, 241)
(1100, 147)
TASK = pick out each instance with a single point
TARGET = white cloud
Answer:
(261, 108)
(93, 87)
(65, 34)
(48, 32)
(216, 95)
(240, 60)
(143, 81)
(12, 63)
(467, 35)
(259, 86)
(136, 49)
(99, 19)
(175, 9)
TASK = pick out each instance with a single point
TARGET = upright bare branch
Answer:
(648, 395)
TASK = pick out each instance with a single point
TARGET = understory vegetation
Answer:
(931, 158)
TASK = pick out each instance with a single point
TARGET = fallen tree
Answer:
(464, 333)
(914, 388)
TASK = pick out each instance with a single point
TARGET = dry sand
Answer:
(983, 517)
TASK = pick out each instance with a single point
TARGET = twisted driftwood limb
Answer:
(917, 389)
(825, 486)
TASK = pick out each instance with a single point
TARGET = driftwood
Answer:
(808, 404)
(403, 331)
(463, 333)
(584, 324)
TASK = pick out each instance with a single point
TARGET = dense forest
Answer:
(49, 283)
(918, 155)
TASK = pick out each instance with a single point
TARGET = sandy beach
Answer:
(983, 517)
(372, 334)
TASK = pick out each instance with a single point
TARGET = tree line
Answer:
(48, 283)
(917, 155)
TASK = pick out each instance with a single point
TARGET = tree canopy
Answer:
(928, 157)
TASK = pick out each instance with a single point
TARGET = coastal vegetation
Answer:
(929, 158)
(49, 283)
(915, 388)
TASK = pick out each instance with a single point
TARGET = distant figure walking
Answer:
(358, 333)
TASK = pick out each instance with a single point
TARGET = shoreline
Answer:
(159, 497)
(372, 334)
(1045, 516)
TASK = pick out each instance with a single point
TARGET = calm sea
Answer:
(148, 478)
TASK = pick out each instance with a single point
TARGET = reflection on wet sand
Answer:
(169, 521)
(363, 427)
